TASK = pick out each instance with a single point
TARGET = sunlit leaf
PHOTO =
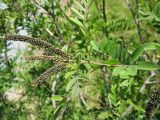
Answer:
(70, 84)
(116, 71)
(124, 83)
(79, 15)
(147, 66)
(69, 74)
(136, 54)
(79, 6)
(139, 108)
(125, 71)
(111, 62)
(94, 45)
(57, 98)
(76, 22)
(151, 46)
(140, 50)
(156, 10)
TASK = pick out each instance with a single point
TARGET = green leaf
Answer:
(73, 66)
(104, 115)
(79, 15)
(136, 54)
(57, 98)
(69, 74)
(116, 71)
(76, 22)
(125, 71)
(112, 98)
(79, 6)
(70, 84)
(147, 66)
(124, 83)
(150, 16)
(94, 45)
(151, 46)
(75, 91)
(111, 62)
(82, 31)
(94, 66)
(139, 108)
(132, 70)
(156, 10)
(145, 47)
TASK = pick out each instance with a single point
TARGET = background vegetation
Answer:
(116, 51)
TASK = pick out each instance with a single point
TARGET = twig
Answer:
(130, 108)
(106, 80)
(104, 10)
(137, 23)
(55, 22)
(6, 56)
(104, 69)
(7, 61)
(146, 81)
(153, 82)
(104, 14)
(135, 20)
(101, 64)
(83, 100)
(53, 93)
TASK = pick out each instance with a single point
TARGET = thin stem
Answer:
(7, 61)
(104, 10)
(104, 69)
(100, 64)
(104, 14)
(135, 20)
(106, 80)
(54, 19)
(137, 7)
(53, 89)
(153, 82)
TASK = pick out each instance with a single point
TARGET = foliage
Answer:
(105, 60)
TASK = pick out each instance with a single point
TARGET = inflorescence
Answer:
(152, 103)
(61, 58)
